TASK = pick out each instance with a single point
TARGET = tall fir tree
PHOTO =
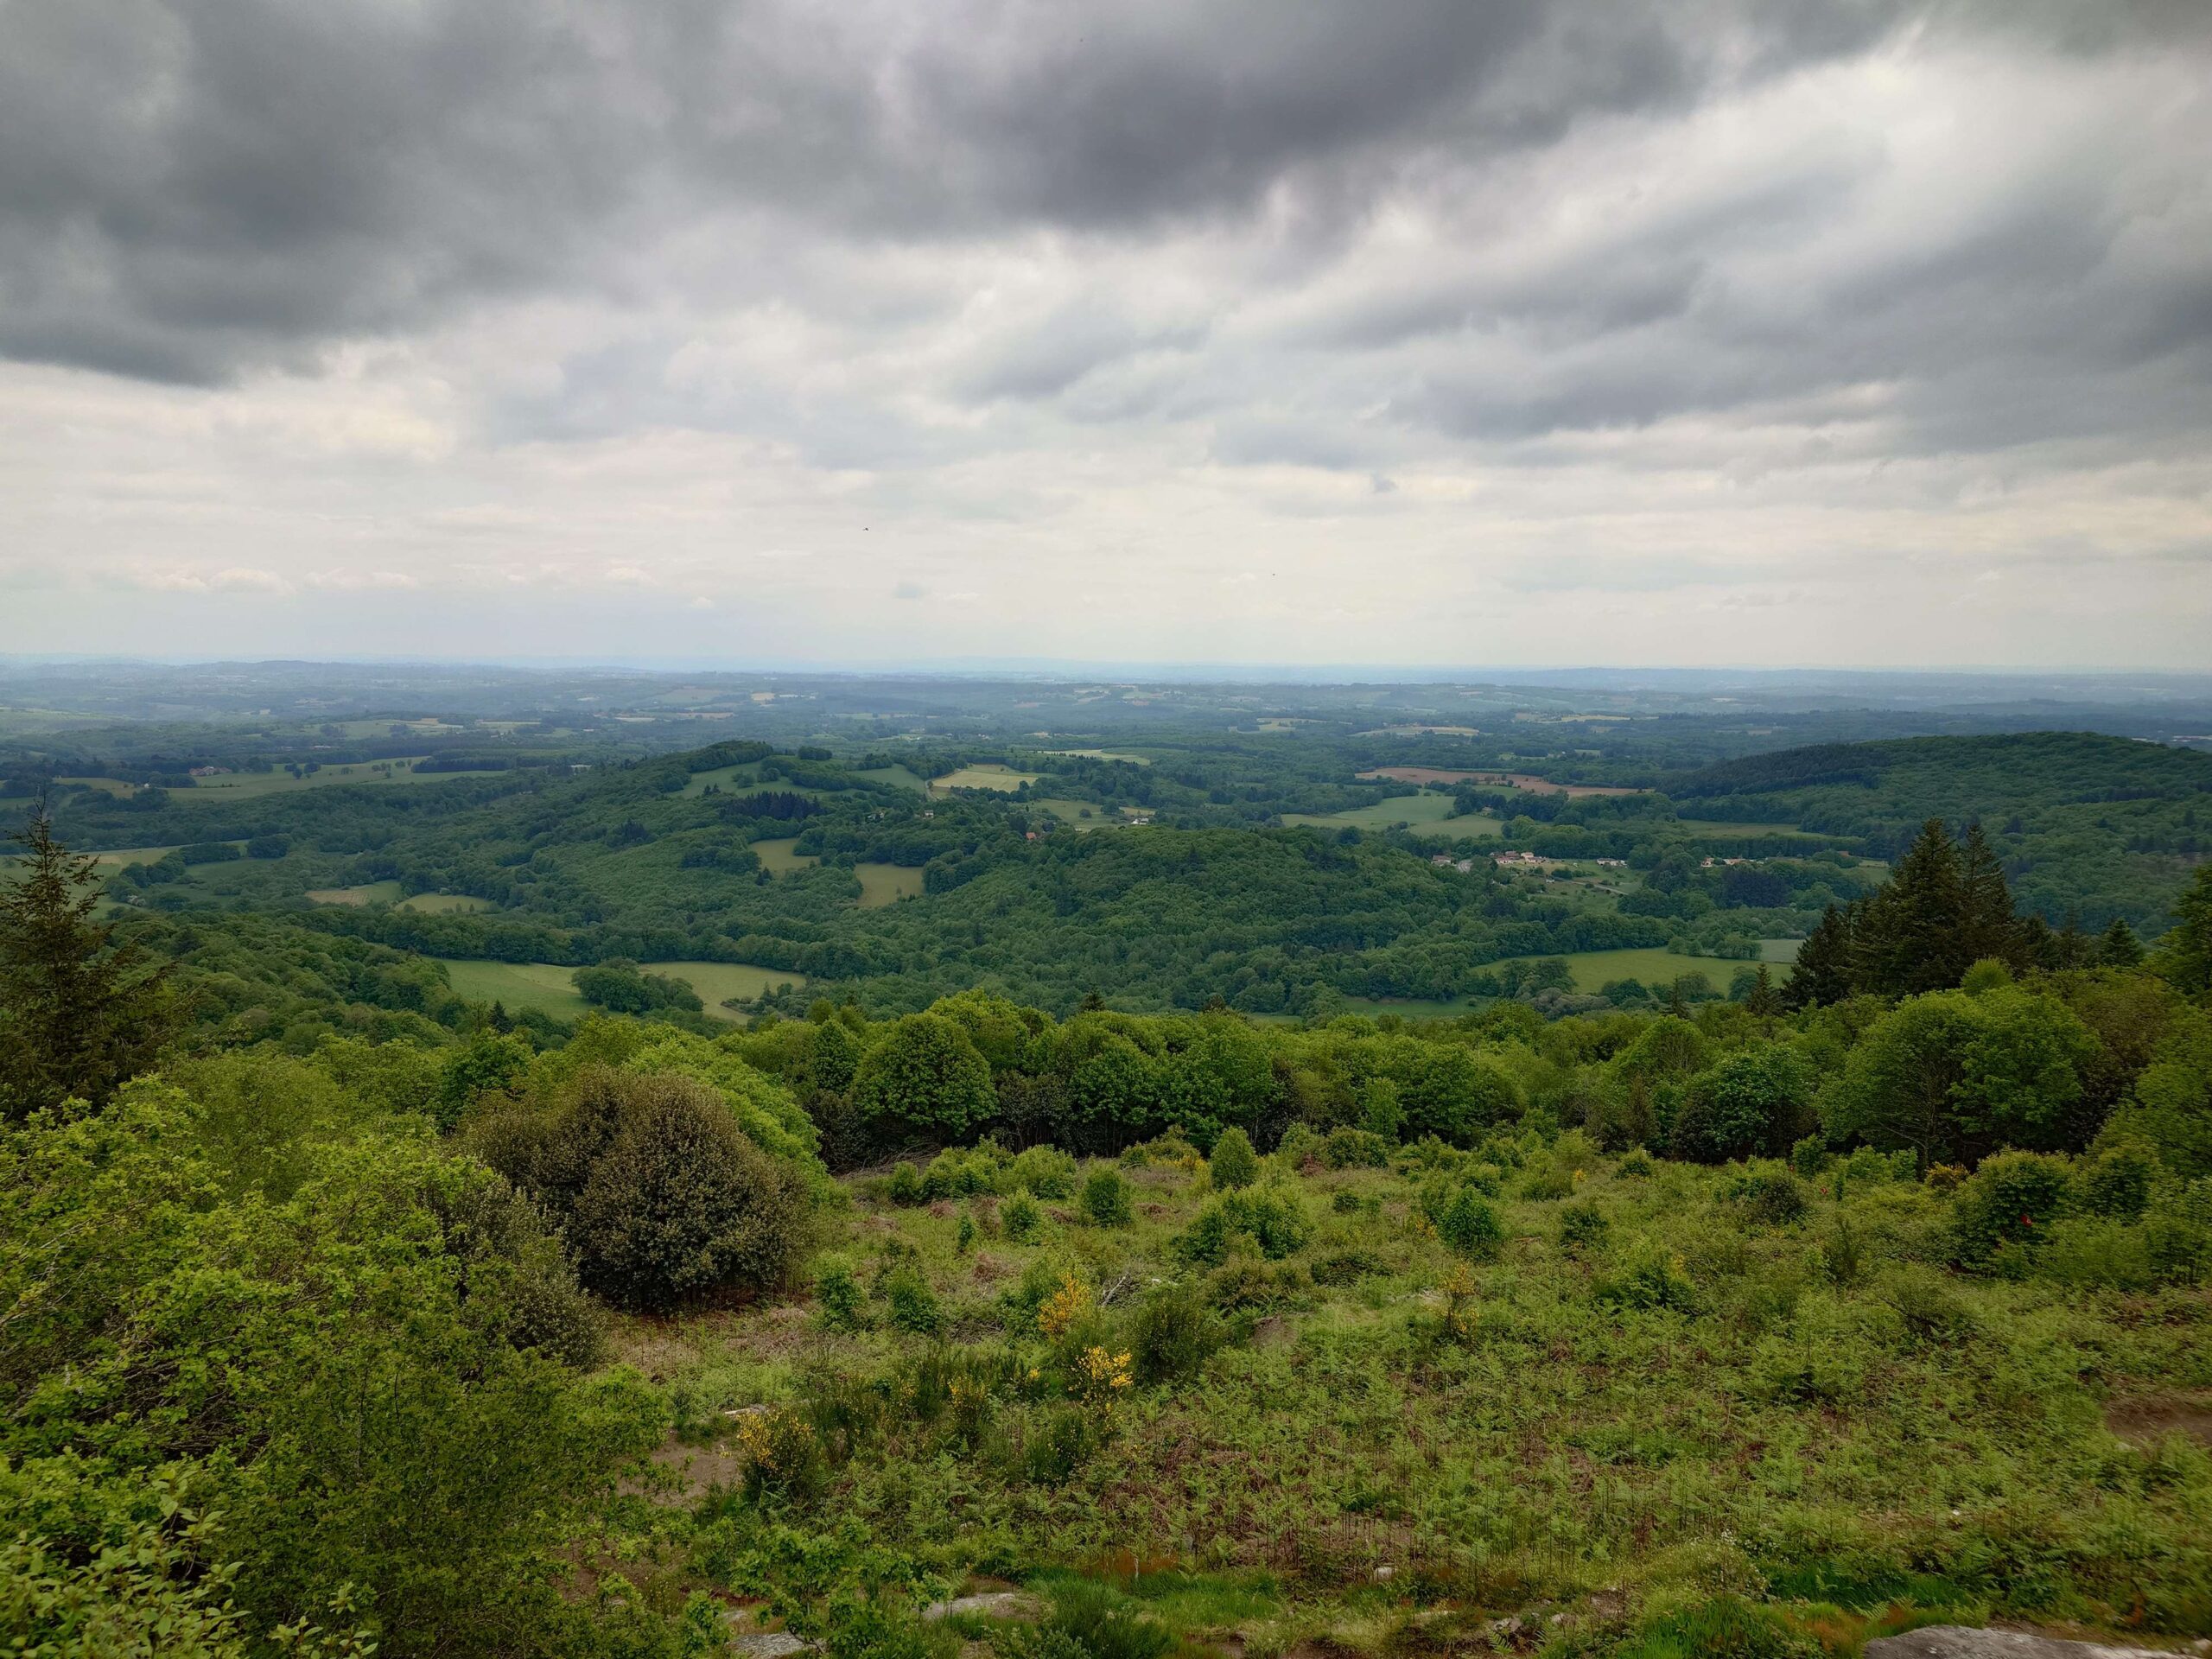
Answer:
(1823, 973)
(1910, 937)
(2184, 955)
(78, 1014)
(2120, 948)
(1990, 928)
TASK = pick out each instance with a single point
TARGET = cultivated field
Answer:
(1427, 813)
(252, 786)
(551, 989)
(776, 857)
(887, 883)
(1521, 780)
(990, 776)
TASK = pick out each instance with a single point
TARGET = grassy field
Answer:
(1474, 826)
(1427, 814)
(369, 893)
(551, 989)
(777, 859)
(1594, 969)
(718, 983)
(544, 986)
(446, 903)
(252, 786)
(990, 776)
(887, 883)
(900, 776)
(1071, 812)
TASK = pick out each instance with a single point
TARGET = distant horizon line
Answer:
(1072, 668)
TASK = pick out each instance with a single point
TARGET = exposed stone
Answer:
(1961, 1642)
(1384, 1575)
(769, 1645)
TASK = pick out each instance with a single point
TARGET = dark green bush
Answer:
(1106, 1201)
(1020, 1218)
(838, 1295)
(1270, 1217)
(663, 1198)
(1771, 1195)
(910, 1304)
(904, 1184)
(1105, 1624)
(2009, 1197)
(1583, 1227)
(2117, 1181)
(1234, 1164)
(1173, 1334)
(1354, 1149)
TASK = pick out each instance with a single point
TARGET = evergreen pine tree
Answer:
(1990, 928)
(78, 1014)
(1761, 1003)
(1911, 936)
(2185, 953)
(1822, 975)
(2120, 948)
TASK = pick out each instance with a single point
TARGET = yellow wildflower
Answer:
(1066, 1305)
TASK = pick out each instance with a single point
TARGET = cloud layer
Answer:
(1536, 330)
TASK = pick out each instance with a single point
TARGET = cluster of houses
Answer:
(1526, 860)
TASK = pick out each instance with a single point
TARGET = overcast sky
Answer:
(1431, 331)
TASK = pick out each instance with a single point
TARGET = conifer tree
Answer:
(78, 1014)
(1990, 928)
(2120, 948)
(2185, 953)
(1822, 975)
(1911, 937)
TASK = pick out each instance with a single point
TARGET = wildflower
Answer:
(1065, 1305)
(1576, 1178)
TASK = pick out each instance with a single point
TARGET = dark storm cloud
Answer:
(189, 188)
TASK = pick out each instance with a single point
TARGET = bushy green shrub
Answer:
(1020, 1218)
(1271, 1217)
(1467, 1222)
(1636, 1166)
(1726, 1627)
(1810, 1157)
(1299, 1146)
(910, 1304)
(2117, 1181)
(839, 1300)
(1043, 1172)
(1354, 1149)
(1931, 1312)
(2011, 1196)
(1583, 1227)
(1106, 1200)
(1234, 1164)
(1648, 1276)
(663, 1197)
(1547, 1180)
(904, 1185)
(963, 1172)
(1173, 1333)
(1770, 1194)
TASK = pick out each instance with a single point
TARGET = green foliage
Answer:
(1104, 1625)
(1465, 1220)
(80, 1011)
(1106, 1199)
(1753, 1101)
(2009, 1205)
(1020, 1218)
(1647, 1274)
(1583, 1228)
(1771, 1195)
(2117, 1181)
(924, 1076)
(1173, 1333)
(1350, 1148)
(911, 1305)
(840, 1302)
(665, 1200)
(1271, 1217)
(1234, 1164)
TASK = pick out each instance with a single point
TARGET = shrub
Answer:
(1809, 1157)
(1044, 1172)
(2118, 1184)
(1548, 1180)
(1234, 1164)
(926, 1078)
(783, 1456)
(1583, 1227)
(905, 1186)
(838, 1296)
(1771, 1195)
(663, 1197)
(1649, 1276)
(1354, 1149)
(1271, 1217)
(910, 1304)
(1636, 1166)
(1173, 1334)
(1299, 1145)
(1106, 1201)
(2010, 1197)
(1726, 1627)
(1930, 1311)
(1469, 1224)
(1020, 1218)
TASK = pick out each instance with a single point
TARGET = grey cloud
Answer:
(188, 190)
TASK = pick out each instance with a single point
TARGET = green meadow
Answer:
(887, 883)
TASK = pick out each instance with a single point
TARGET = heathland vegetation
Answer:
(616, 1196)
